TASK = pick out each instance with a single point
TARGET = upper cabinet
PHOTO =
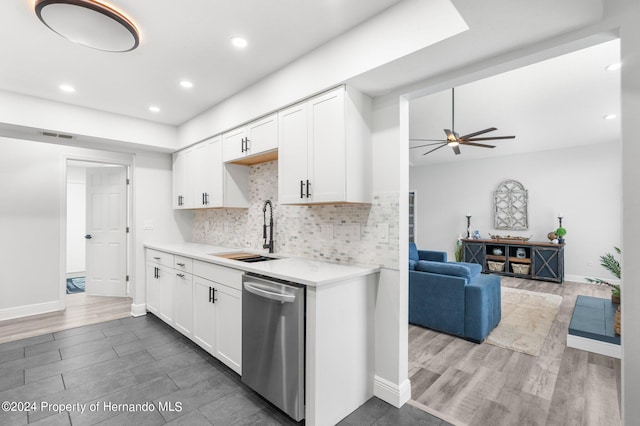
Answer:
(324, 149)
(201, 180)
(252, 143)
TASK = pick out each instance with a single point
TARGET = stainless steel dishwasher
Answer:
(273, 337)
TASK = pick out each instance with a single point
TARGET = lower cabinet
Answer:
(205, 305)
(217, 312)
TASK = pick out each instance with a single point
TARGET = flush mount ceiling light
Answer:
(90, 23)
(239, 42)
(610, 117)
(614, 67)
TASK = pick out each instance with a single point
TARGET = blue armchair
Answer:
(452, 297)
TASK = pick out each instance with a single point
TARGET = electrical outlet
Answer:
(382, 232)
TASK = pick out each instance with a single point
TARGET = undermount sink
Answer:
(244, 257)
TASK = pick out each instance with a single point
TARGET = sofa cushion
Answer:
(413, 252)
(456, 270)
(475, 268)
(412, 264)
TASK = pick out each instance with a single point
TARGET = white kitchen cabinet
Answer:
(153, 288)
(183, 179)
(324, 146)
(243, 144)
(183, 301)
(160, 291)
(217, 312)
(201, 180)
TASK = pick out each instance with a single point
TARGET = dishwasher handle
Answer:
(264, 291)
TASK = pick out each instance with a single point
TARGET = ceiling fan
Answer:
(454, 140)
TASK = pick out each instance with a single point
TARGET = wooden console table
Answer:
(524, 259)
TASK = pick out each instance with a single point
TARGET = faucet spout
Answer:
(269, 244)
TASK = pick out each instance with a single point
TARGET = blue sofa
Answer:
(452, 297)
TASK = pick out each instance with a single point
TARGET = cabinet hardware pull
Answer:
(210, 294)
(301, 189)
(308, 186)
(156, 258)
(242, 148)
(181, 264)
(180, 275)
(157, 272)
(180, 200)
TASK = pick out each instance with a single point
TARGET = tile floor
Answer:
(105, 368)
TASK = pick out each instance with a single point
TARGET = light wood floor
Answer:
(471, 384)
(81, 310)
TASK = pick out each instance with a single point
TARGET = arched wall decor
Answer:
(510, 203)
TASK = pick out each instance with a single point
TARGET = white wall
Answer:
(33, 184)
(586, 187)
(76, 219)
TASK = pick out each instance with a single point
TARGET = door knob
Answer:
(88, 236)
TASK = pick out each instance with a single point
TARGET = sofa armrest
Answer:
(432, 255)
(483, 306)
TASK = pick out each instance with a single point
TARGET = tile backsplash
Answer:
(344, 233)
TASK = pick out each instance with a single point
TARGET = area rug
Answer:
(526, 320)
(75, 285)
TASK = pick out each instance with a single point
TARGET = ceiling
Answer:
(554, 104)
(179, 40)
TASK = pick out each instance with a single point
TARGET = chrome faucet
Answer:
(268, 245)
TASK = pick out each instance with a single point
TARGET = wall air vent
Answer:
(56, 135)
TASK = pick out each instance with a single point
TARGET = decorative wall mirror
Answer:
(510, 206)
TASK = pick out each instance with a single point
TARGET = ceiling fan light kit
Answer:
(90, 23)
(454, 140)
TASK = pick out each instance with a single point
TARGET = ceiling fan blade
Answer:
(481, 132)
(491, 138)
(444, 144)
(456, 149)
(477, 144)
(428, 144)
(427, 140)
(450, 135)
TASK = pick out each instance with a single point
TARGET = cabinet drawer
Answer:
(160, 257)
(182, 263)
(220, 274)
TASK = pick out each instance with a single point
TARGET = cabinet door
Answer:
(233, 146)
(207, 165)
(166, 279)
(547, 263)
(327, 154)
(262, 135)
(183, 292)
(179, 179)
(229, 326)
(204, 314)
(473, 253)
(153, 288)
(292, 154)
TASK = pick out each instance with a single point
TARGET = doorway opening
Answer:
(97, 231)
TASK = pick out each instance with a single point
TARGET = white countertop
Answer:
(294, 269)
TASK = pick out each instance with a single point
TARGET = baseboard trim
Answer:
(28, 310)
(390, 392)
(595, 346)
(138, 310)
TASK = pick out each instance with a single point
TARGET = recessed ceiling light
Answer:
(90, 23)
(186, 84)
(610, 116)
(614, 67)
(67, 88)
(239, 42)
(154, 108)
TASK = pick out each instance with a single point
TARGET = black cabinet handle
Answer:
(308, 186)
(214, 296)
(206, 198)
(210, 294)
(88, 236)
(180, 200)
(156, 272)
(242, 141)
(301, 189)
(180, 275)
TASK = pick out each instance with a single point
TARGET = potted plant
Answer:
(458, 252)
(561, 232)
(611, 264)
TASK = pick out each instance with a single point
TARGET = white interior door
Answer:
(106, 231)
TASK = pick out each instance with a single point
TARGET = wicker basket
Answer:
(616, 324)
(495, 266)
(518, 268)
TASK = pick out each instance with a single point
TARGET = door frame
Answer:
(126, 161)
